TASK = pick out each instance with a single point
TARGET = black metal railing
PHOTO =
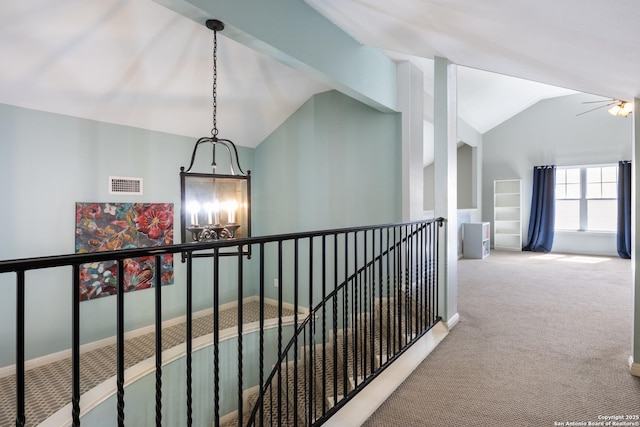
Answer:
(367, 294)
(380, 300)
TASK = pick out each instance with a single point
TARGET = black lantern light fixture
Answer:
(215, 206)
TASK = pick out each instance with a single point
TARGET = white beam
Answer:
(411, 105)
(292, 32)
(635, 242)
(445, 179)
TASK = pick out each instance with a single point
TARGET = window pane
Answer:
(594, 190)
(593, 174)
(561, 191)
(573, 191)
(610, 190)
(573, 175)
(610, 174)
(561, 176)
(567, 215)
(602, 215)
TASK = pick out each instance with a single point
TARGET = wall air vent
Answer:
(125, 185)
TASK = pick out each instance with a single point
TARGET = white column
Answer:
(635, 242)
(446, 185)
(411, 105)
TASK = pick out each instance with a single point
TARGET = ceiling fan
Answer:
(618, 107)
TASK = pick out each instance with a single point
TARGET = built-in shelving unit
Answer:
(476, 239)
(507, 214)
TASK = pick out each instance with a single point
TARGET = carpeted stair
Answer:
(367, 344)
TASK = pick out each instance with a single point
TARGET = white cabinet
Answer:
(476, 239)
(507, 214)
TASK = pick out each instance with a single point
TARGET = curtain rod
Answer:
(590, 165)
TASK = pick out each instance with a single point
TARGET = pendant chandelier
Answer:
(215, 206)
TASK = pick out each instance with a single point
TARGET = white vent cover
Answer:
(125, 185)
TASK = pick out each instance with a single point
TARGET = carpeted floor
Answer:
(542, 340)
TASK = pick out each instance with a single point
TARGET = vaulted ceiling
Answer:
(137, 63)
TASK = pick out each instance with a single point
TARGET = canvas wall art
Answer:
(112, 226)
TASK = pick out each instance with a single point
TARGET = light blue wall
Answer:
(334, 163)
(48, 162)
(550, 132)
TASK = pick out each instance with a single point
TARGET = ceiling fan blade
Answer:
(604, 100)
(597, 108)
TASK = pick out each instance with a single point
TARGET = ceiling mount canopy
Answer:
(215, 25)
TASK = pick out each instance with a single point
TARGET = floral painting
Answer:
(112, 226)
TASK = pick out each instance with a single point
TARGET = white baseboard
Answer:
(634, 367)
(365, 403)
(453, 321)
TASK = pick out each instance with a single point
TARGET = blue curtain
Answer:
(624, 209)
(543, 210)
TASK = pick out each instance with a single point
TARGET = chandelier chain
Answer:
(214, 129)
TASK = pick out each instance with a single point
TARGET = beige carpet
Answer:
(541, 339)
(48, 388)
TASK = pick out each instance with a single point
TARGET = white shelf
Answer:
(507, 214)
(476, 239)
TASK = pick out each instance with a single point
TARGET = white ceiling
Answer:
(586, 45)
(136, 63)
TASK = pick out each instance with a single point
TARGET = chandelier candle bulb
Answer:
(209, 208)
(231, 211)
(194, 208)
(216, 211)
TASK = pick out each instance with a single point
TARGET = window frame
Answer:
(583, 199)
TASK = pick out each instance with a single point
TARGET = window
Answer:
(586, 198)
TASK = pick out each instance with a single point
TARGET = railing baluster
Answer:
(397, 340)
(295, 328)
(261, 338)
(312, 349)
(158, 292)
(120, 342)
(406, 271)
(324, 326)
(335, 319)
(437, 246)
(345, 317)
(388, 276)
(20, 371)
(432, 279)
(75, 346)
(380, 296)
(427, 278)
(216, 337)
(240, 327)
(419, 278)
(416, 277)
(367, 352)
(280, 285)
(356, 309)
(414, 280)
(189, 338)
